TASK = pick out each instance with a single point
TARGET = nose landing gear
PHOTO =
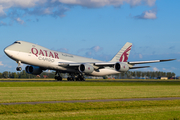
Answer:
(18, 68)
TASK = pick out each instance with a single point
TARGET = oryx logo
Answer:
(124, 56)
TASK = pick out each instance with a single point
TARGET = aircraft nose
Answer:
(7, 51)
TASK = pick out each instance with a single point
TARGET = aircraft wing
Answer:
(152, 61)
(100, 65)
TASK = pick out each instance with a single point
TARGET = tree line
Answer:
(146, 74)
(23, 74)
(122, 75)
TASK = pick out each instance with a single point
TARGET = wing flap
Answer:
(105, 64)
(77, 64)
(66, 64)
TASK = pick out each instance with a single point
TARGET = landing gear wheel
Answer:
(18, 68)
(70, 79)
(58, 76)
(80, 78)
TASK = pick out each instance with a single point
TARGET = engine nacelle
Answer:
(86, 68)
(121, 67)
(35, 70)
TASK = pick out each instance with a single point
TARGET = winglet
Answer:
(123, 54)
(167, 60)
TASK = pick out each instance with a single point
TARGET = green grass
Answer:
(89, 83)
(166, 110)
(55, 91)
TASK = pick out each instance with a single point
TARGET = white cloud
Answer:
(56, 8)
(47, 11)
(89, 53)
(164, 68)
(150, 2)
(96, 48)
(20, 3)
(63, 50)
(1, 64)
(151, 14)
(19, 21)
(155, 69)
(2, 13)
(2, 23)
(6, 4)
(169, 70)
(93, 52)
(101, 3)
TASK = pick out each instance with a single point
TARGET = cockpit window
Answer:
(17, 42)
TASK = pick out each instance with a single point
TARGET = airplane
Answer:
(39, 58)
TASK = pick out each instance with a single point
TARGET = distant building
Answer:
(163, 78)
(45, 76)
(174, 77)
(94, 77)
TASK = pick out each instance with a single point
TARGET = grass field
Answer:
(55, 91)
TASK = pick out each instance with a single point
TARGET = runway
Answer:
(100, 100)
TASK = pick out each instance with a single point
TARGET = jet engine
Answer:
(86, 68)
(121, 67)
(35, 70)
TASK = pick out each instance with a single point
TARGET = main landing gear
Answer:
(19, 68)
(58, 76)
(79, 77)
(72, 77)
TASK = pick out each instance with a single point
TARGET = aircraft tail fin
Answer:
(123, 54)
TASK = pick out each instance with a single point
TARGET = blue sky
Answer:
(95, 28)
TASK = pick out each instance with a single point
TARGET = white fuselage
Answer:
(36, 55)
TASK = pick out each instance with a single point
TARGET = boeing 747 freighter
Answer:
(39, 58)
